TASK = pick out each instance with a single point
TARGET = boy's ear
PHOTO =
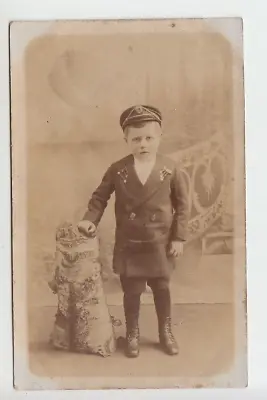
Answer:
(125, 138)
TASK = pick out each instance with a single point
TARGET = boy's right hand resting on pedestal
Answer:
(87, 228)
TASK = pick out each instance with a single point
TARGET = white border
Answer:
(256, 100)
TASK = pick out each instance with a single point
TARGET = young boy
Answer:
(151, 213)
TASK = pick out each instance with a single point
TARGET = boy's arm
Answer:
(100, 197)
(179, 195)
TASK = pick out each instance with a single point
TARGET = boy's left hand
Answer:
(176, 248)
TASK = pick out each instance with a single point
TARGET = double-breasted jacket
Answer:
(148, 217)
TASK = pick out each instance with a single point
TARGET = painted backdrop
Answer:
(77, 86)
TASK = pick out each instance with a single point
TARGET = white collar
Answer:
(143, 169)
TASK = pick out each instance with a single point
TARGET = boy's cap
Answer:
(139, 113)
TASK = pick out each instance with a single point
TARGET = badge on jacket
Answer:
(164, 172)
(123, 173)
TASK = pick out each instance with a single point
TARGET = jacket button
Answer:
(132, 216)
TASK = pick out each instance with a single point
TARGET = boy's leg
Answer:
(162, 299)
(132, 288)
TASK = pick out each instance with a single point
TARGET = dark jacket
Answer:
(148, 216)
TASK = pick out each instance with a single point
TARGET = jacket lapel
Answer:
(133, 184)
(138, 192)
(153, 180)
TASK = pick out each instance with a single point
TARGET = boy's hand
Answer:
(53, 286)
(176, 248)
(87, 228)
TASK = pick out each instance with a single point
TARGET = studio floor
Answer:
(203, 323)
(205, 334)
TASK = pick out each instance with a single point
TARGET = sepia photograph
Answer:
(128, 204)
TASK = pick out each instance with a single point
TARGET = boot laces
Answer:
(133, 334)
(168, 330)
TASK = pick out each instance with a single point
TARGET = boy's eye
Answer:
(148, 137)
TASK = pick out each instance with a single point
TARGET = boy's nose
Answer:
(143, 143)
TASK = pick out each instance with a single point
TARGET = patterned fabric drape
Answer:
(82, 321)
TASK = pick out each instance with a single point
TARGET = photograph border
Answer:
(238, 376)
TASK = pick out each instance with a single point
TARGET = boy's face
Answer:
(143, 141)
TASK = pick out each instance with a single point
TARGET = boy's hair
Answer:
(139, 125)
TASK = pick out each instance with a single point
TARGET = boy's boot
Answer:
(163, 308)
(131, 309)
